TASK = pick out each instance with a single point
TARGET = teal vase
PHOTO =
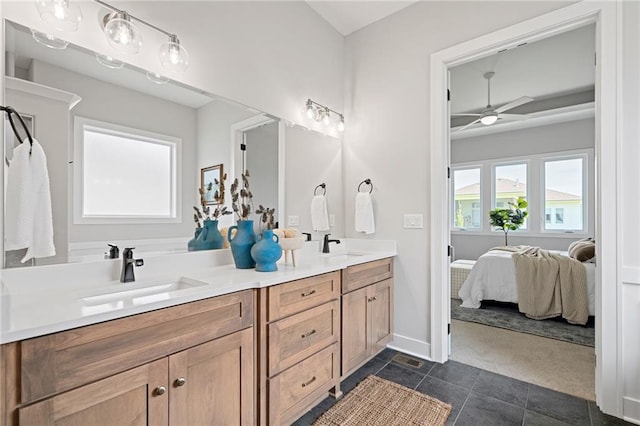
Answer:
(210, 237)
(266, 251)
(241, 244)
(192, 244)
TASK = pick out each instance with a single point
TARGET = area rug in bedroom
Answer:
(377, 401)
(507, 316)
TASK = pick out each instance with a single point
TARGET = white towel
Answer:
(364, 213)
(319, 215)
(28, 220)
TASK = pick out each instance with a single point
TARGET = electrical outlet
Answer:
(413, 221)
(293, 220)
(332, 220)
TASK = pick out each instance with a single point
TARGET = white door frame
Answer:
(606, 15)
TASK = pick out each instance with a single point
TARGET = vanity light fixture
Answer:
(322, 113)
(48, 40)
(124, 36)
(61, 14)
(109, 61)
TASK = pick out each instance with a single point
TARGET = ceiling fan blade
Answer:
(468, 125)
(466, 115)
(520, 101)
(514, 116)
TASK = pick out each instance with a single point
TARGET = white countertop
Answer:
(70, 296)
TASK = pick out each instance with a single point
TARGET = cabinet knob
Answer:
(180, 381)
(160, 390)
(305, 384)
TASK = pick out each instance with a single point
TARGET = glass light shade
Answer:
(489, 119)
(60, 14)
(157, 78)
(341, 124)
(109, 61)
(327, 117)
(122, 35)
(309, 109)
(49, 40)
(173, 56)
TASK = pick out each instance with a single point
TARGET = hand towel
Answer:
(364, 213)
(319, 216)
(28, 220)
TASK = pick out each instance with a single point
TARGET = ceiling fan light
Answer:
(60, 14)
(489, 119)
(122, 35)
(173, 56)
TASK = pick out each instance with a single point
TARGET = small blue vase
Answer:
(209, 238)
(241, 244)
(191, 245)
(266, 251)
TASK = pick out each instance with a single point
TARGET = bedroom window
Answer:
(466, 199)
(123, 175)
(510, 183)
(564, 183)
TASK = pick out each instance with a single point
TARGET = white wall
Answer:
(267, 54)
(311, 159)
(572, 135)
(387, 135)
(262, 163)
(118, 105)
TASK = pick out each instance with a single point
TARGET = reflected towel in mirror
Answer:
(319, 215)
(28, 220)
(364, 221)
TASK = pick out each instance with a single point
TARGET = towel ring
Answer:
(324, 189)
(9, 110)
(366, 182)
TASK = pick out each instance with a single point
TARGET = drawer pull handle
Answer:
(313, 379)
(180, 381)
(305, 335)
(160, 390)
(374, 298)
(308, 293)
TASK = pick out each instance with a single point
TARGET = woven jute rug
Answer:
(376, 401)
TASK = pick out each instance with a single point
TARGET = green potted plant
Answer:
(509, 219)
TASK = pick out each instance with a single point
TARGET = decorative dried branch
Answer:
(241, 198)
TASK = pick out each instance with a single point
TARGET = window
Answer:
(124, 174)
(509, 184)
(466, 198)
(564, 183)
(547, 216)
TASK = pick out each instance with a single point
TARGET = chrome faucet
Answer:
(325, 244)
(128, 263)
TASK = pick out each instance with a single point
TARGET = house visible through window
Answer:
(564, 183)
(466, 205)
(124, 173)
(510, 183)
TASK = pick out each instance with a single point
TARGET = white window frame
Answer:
(77, 184)
(452, 201)
(587, 157)
(535, 193)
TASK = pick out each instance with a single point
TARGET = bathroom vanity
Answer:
(242, 348)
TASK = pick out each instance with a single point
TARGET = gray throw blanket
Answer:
(550, 285)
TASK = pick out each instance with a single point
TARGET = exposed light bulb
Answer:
(489, 119)
(173, 56)
(121, 33)
(60, 14)
(309, 109)
(341, 124)
(327, 118)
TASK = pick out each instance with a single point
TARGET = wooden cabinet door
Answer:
(380, 315)
(129, 398)
(355, 340)
(212, 383)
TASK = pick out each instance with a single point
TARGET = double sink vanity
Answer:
(193, 340)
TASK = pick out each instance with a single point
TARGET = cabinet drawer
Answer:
(65, 360)
(358, 276)
(296, 337)
(297, 296)
(292, 391)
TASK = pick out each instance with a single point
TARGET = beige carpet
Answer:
(562, 366)
(379, 402)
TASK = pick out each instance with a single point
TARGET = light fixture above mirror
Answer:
(60, 14)
(322, 113)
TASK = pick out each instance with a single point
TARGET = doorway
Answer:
(608, 382)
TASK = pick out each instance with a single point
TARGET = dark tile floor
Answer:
(478, 397)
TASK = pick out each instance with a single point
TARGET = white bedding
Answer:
(493, 277)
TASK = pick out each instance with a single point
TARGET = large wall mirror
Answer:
(81, 105)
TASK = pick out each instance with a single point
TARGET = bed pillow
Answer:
(582, 250)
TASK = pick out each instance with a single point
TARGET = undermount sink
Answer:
(342, 254)
(139, 294)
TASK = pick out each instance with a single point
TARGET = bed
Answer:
(493, 277)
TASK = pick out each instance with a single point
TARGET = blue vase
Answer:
(266, 251)
(191, 245)
(241, 244)
(209, 238)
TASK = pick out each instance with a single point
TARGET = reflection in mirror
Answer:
(170, 132)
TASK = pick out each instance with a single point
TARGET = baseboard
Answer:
(631, 410)
(411, 346)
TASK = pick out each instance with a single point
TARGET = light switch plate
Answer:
(293, 220)
(413, 221)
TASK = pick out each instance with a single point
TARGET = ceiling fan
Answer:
(490, 114)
